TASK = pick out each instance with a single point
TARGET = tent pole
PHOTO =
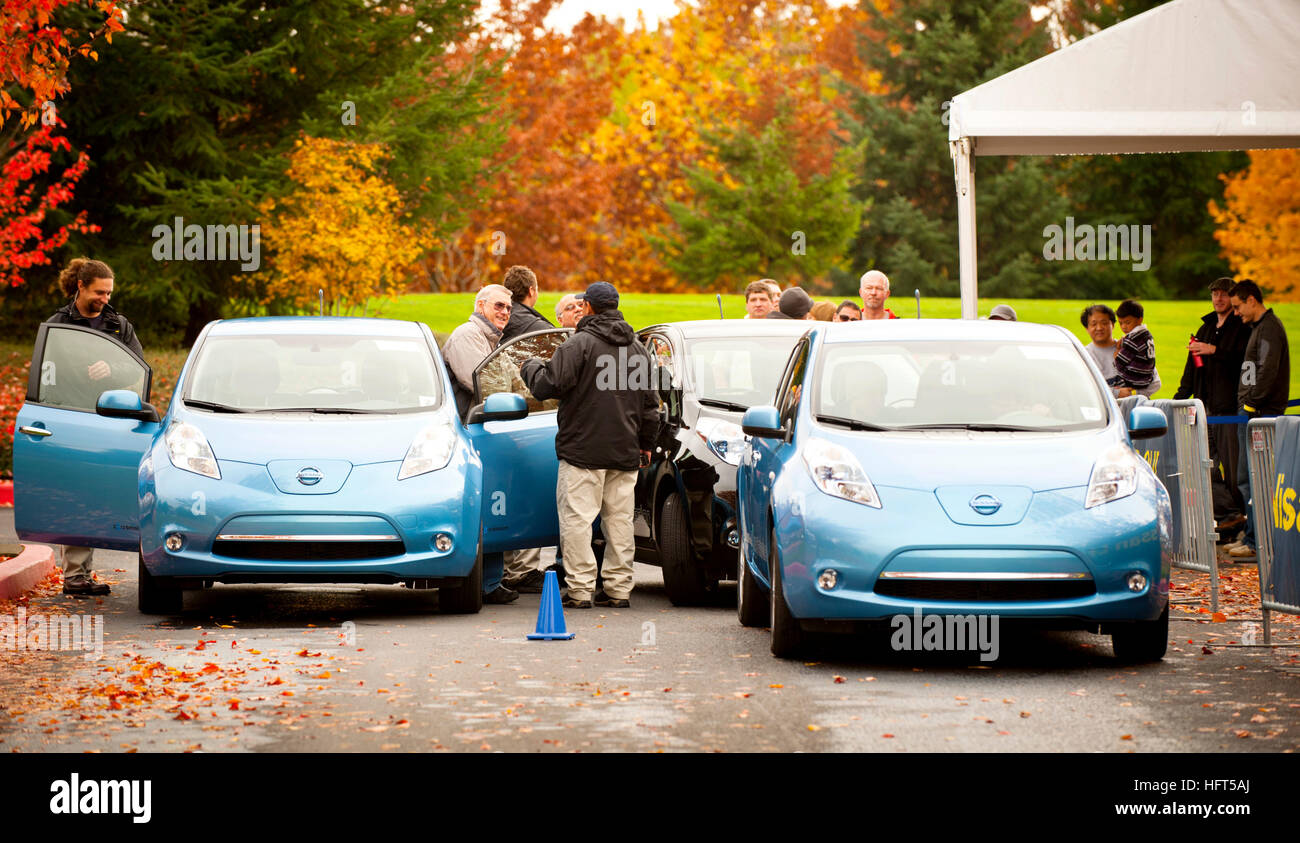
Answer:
(963, 164)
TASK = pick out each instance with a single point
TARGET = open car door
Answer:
(519, 462)
(75, 469)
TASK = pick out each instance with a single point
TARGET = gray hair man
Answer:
(874, 289)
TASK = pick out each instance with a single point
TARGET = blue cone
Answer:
(550, 615)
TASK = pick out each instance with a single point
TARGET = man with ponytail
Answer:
(89, 285)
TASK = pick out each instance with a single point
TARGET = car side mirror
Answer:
(500, 406)
(125, 404)
(763, 422)
(1147, 423)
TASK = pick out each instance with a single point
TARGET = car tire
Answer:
(788, 638)
(466, 598)
(1144, 641)
(685, 580)
(154, 598)
(752, 610)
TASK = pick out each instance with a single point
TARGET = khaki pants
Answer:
(76, 561)
(580, 495)
(520, 562)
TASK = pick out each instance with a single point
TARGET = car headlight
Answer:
(430, 451)
(1114, 476)
(189, 450)
(837, 472)
(725, 440)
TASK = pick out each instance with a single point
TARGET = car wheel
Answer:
(466, 598)
(750, 606)
(156, 598)
(787, 636)
(685, 580)
(1144, 641)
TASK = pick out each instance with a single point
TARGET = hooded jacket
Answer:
(604, 378)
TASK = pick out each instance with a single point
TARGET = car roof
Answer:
(942, 329)
(700, 328)
(307, 325)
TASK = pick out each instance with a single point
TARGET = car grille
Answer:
(308, 551)
(985, 591)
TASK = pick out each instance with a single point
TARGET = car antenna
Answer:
(321, 293)
(918, 304)
(720, 316)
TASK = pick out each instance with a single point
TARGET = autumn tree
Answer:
(338, 229)
(35, 51)
(32, 187)
(1259, 221)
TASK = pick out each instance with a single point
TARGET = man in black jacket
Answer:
(1263, 389)
(1220, 344)
(606, 426)
(524, 319)
(89, 285)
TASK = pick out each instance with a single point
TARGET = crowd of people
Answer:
(1238, 365)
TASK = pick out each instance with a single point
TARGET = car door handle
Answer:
(35, 431)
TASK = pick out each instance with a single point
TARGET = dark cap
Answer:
(795, 303)
(1003, 312)
(1220, 285)
(600, 295)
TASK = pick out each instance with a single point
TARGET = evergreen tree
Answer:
(932, 50)
(191, 111)
(760, 215)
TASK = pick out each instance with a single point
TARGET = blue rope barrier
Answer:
(1295, 402)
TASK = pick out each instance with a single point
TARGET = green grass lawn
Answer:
(1170, 321)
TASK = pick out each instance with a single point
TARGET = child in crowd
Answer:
(1135, 356)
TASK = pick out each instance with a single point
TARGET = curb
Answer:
(6, 493)
(25, 570)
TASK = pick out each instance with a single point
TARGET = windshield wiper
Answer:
(853, 424)
(977, 426)
(321, 410)
(723, 405)
(213, 406)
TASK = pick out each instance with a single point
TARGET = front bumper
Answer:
(1060, 561)
(374, 529)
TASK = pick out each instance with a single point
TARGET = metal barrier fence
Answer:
(1263, 470)
(1187, 478)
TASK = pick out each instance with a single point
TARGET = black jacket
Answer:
(1266, 371)
(1215, 382)
(604, 378)
(524, 320)
(114, 324)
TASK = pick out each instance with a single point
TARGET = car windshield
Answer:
(740, 371)
(979, 385)
(305, 373)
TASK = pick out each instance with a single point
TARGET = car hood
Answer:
(935, 459)
(265, 437)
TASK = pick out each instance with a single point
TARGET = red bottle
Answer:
(1196, 358)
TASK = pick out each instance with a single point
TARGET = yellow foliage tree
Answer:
(339, 229)
(1259, 223)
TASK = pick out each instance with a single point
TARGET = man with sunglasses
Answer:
(848, 312)
(467, 346)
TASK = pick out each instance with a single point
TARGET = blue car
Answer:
(295, 450)
(960, 469)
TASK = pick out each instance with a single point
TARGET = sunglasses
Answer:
(501, 305)
(844, 317)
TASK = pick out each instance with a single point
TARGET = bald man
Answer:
(874, 289)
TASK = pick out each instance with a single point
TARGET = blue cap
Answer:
(600, 295)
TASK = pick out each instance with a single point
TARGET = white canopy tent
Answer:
(1188, 76)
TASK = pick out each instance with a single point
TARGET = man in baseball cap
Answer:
(795, 304)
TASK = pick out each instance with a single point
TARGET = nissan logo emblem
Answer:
(309, 476)
(985, 504)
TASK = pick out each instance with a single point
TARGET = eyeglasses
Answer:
(844, 317)
(502, 305)
(571, 306)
